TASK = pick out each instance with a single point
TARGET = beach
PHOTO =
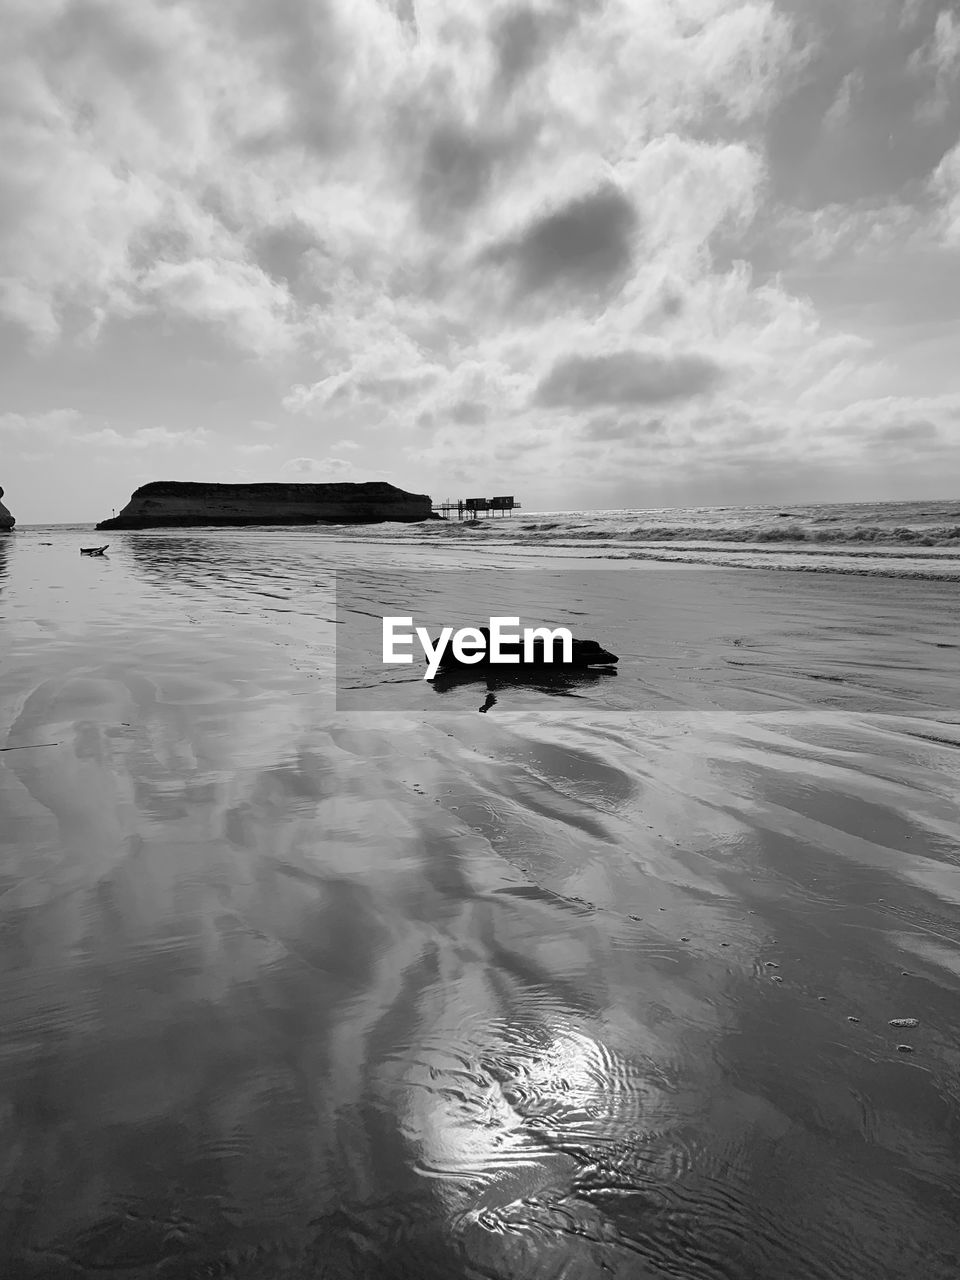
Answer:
(601, 982)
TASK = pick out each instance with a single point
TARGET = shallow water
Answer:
(598, 983)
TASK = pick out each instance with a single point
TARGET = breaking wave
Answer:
(901, 535)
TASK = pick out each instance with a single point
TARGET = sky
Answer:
(593, 253)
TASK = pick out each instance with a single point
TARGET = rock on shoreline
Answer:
(173, 504)
(6, 519)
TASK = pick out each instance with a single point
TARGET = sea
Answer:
(314, 968)
(894, 538)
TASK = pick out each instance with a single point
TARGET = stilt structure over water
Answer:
(473, 508)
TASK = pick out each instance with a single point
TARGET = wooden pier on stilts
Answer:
(473, 508)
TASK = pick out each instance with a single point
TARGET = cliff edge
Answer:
(6, 519)
(173, 504)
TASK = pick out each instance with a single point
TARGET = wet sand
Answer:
(599, 983)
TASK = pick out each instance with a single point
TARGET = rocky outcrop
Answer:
(6, 519)
(172, 504)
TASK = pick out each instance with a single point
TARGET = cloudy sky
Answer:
(590, 252)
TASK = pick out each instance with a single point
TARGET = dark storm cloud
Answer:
(611, 427)
(915, 432)
(302, 44)
(451, 164)
(406, 14)
(400, 387)
(519, 39)
(457, 169)
(87, 26)
(524, 37)
(626, 378)
(672, 304)
(469, 413)
(281, 251)
(587, 243)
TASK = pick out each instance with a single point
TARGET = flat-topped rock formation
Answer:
(6, 519)
(173, 504)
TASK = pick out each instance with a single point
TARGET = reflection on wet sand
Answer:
(562, 992)
(6, 555)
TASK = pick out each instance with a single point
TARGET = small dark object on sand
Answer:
(94, 551)
(904, 1022)
(584, 653)
(904, 1048)
(851, 1018)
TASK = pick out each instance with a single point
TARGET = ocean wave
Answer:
(899, 535)
(894, 539)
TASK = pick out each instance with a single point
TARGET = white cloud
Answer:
(145, 438)
(946, 43)
(734, 442)
(69, 427)
(946, 185)
(839, 111)
(257, 311)
(939, 61)
(52, 421)
(319, 470)
(869, 228)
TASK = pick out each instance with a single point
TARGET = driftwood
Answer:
(585, 653)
